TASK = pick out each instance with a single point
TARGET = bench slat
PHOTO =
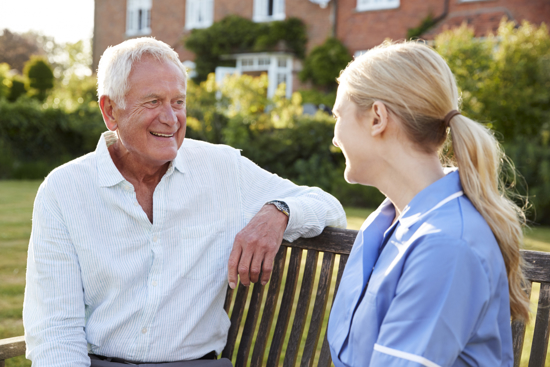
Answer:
(325, 358)
(302, 309)
(518, 333)
(540, 335)
(236, 317)
(286, 307)
(250, 324)
(319, 308)
(269, 307)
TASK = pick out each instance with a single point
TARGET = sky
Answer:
(65, 20)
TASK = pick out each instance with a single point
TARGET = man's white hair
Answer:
(116, 63)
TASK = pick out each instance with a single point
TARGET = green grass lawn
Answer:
(16, 200)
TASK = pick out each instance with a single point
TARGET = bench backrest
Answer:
(263, 344)
(302, 292)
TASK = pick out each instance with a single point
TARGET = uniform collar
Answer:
(109, 175)
(431, 197)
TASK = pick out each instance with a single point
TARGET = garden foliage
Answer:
(323, 64)
(505, 83)
(235, 34)
(39, 76)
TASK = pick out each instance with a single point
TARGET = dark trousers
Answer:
(224, 362)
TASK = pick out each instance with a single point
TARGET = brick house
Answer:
(359, 24)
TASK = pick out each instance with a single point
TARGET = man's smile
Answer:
(162, 135)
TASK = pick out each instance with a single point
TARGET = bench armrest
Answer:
(12, 347)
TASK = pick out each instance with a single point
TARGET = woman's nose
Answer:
(334, 142)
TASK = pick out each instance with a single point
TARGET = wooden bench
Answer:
(298, 296)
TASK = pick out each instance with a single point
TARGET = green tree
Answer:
(323, 64)
(5, 80)
(17, 88)
(40, 77)
(504, 80)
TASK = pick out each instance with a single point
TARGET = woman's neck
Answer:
(405, 175)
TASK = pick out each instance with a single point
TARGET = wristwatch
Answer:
(281, 206)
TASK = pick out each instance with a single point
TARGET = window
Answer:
(277, 66)
(364, 5)
(199, 13)
(138, 17)
(268, 10)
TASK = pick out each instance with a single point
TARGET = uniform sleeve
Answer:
(311, 209)
(53, 310)
(440, 299)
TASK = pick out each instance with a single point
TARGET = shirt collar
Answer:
(109, 175)
(430, 197)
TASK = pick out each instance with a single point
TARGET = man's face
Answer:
(152, 126)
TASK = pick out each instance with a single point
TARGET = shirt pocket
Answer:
(203, 251)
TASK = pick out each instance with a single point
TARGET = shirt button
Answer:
(144, 330)
(155, 239)
(154, 283)
(136, 204)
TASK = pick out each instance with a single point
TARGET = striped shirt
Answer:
(101, 278)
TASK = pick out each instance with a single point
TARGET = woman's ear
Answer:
(380, 118)
(107, 107)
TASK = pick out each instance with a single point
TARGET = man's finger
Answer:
(267, 267)
(232, 265)
(256, 267)
(244, 267)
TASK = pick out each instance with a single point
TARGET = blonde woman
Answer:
(435, 272)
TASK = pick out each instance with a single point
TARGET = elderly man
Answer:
(133, 245)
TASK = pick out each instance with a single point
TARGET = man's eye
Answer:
(154, 101)
(180, 102)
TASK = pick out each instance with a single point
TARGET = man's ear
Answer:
(380, 118)
(107, 107)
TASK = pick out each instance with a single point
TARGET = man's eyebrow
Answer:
(151, 95)
(156, 96)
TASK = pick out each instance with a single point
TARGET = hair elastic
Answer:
(449, 116)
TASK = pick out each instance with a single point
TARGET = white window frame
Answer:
(261, 10)
(199, 13)
(138, 17)
(277, 66)
(369, 5)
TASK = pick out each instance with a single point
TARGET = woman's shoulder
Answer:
(459, 227)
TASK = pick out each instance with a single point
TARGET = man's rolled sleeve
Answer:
(53, 310)
(311, 209)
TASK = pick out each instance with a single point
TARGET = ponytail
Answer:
(479, 160)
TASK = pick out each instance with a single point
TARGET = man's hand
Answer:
(255, 247)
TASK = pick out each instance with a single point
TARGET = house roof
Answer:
(483, 21)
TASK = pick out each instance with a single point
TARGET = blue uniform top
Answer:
(431, 290)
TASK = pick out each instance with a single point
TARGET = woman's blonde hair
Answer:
(417, 86)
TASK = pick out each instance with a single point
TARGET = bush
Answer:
(39, 75)
(235, 34)
(17, 88)
(505, 83)
(5, 80)
(324, 63)
(34, 140)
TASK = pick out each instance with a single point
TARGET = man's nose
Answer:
(167, 115)
(334, 142)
